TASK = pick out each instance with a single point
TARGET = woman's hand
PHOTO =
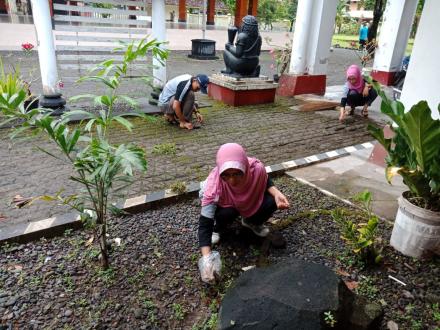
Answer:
(365, 91)
(341, 114)
(281, 201)
(199, 117)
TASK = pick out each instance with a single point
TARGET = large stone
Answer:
(293, 295)
(365, 315)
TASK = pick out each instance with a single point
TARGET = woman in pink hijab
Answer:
(356, 93)
(237, 186)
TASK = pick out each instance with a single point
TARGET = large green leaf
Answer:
(423, 133)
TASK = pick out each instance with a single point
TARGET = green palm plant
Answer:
(101, 168)
(13, 94)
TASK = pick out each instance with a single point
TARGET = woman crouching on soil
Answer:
(237, 186)
(356, 93)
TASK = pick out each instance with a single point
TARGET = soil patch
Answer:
(154, 281)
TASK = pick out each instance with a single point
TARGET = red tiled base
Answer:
(290, 85)
(385, 78)
(379, 153)
(241, 97)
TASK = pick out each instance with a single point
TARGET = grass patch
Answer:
(345, 41)
(164, 149)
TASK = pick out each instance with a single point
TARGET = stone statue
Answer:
(242, 60)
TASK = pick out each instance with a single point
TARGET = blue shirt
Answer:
(363, 33)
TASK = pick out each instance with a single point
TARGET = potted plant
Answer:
(414, 153)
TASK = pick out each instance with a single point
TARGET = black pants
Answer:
(355, 99)
(226, 215)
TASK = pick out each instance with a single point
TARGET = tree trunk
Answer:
(102, 231)
(377, 15)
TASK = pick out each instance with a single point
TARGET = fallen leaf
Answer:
(342, 272)
(15, 268)
(118, 241)
(351, 284)
(248, 268)
(90, 241)
(21, 201)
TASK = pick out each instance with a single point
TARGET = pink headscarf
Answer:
(355, 71)
(247, 198)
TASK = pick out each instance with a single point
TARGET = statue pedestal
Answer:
(291, 85)
(241, 91)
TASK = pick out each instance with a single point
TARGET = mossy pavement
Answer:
(273, 133)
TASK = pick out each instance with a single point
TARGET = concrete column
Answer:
(46, 54)
(182, 11)
(241, 9)
(253, 6)
(310, 48)
(394, 33)
(422, 78)
(159, 33)
(211, 12)
(12, 10)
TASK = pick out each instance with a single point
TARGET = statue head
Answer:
(250, 26)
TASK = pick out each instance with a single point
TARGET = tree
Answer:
(340, 14)
(267, 12)
(230, 4)
(378, 9)
(290, 12)
(417, 18)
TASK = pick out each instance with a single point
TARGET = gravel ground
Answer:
(154, 282)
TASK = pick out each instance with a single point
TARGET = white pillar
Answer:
(312, 36)
(204, 20)
(422, 80)
(398, 18)
(46, 47)
(12, 5)
(159, 33)
(299, 43)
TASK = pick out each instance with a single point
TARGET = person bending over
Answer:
(177, 100)
(237, 186)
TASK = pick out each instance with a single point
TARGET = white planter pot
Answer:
(416, 232)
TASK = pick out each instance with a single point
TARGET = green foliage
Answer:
(179, 312)
(413, 150)
(267, 12)
(230, 4)
(367, 288)
(178, 187)
(436, 312)
(13, 94)
(329, 319)
(164, 149)
(101, 168)
(360, 237)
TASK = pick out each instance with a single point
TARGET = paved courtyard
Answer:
(273, 133)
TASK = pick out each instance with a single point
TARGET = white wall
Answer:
(422, 80)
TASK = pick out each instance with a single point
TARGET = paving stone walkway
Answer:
(273, 133)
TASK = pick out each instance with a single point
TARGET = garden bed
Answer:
(154, 282)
